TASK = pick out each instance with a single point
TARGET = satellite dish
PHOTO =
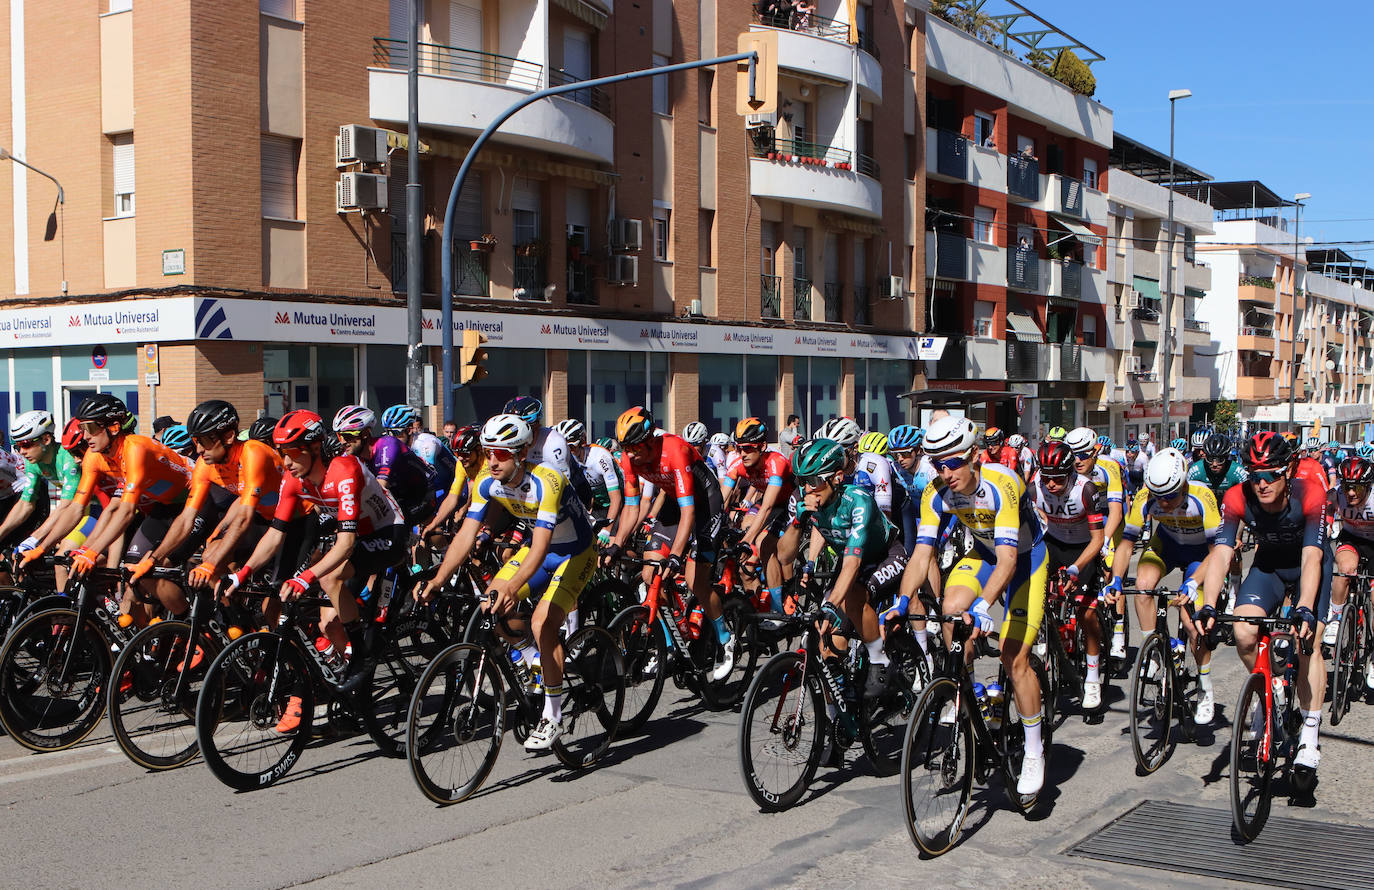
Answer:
(1330, 365)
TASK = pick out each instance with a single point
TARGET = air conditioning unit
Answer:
(624, 270)
(360, 145)
(753, 121)
(1130, 298)
(1137, 364)
(892, 287)
(627, 234)
(360, 191)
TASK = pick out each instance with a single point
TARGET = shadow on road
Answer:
(656, 734)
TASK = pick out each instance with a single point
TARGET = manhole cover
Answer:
(1197, 840)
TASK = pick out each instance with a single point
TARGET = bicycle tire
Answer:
(604, 600)
(641, 644)
(35, 711)
(1344, 663)
(244, 749)
(779, 692)
(883, 721)
(593, 697)
(1252, 772)
(727, 692)
(1152, 704)
(455, 724)
(153, 728)
(402, 658)
(937, 762)
(1011, 736)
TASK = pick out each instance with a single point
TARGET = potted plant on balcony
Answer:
(485, 244)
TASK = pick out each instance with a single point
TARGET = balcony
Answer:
(1027, 360)
(1196, 332)
(1023, 179)
(1066, 362)
(1069, 194)
(1256, 339)
(1142, 386)
(770, 296)
(1095, 285)
(970, 358)
(947, 155)
(801, 299)
(463, 90)
(989, 168)
(833, 294)
(863, 305)
(1197, 277)
(964, 259)
(814, 175)
(1023, 269)
(582, 282)
(1194, 389)
(951, 255)
(1256, 289)
(819, 46)
(1255, 389)
(530, 277)
(1066, 279)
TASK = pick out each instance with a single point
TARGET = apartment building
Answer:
(1016, 169)
(641, 244)
(1141, 250)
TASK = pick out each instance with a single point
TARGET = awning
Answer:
(1078, 230)
(1148, 288)
(1022, 326)
(589, 12)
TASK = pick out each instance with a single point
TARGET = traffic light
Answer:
(764, 98)
(470, 370)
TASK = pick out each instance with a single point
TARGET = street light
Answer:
(61, 205)
(1293, 352)
(1167, 327)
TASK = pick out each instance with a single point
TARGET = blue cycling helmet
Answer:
(1333, 445)
(527, 408)
(904, 437)
(399, 417)
(1365, 450)
(178, 438)
(1104, 443)
(1180, 443)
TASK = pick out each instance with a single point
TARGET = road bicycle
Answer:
(1350, 654)
(1065, 635)
(956, 737)
(1163, 689)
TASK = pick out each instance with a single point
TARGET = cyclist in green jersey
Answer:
(47, 466)
(872, 558)
(1217, 470)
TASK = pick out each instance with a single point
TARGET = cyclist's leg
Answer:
(150, 532)
(1260, 593)
(1025, 610)
(1148, 570)
(965, 584)
(1347, 562)
(1312, 667)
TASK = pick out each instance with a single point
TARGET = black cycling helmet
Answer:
(210, 417)
(527, 408)
(1267, 451)
(1217, 447)
(103, 408)
(1056, 459)
(261, 429)
(1356, 471)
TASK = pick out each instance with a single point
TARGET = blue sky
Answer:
(1280, 93)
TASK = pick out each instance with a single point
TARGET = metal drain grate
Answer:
(1197, 840)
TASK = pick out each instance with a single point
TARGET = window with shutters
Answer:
(122, 155)
(662, 238)
(662, 96)
(280, 162)
(465, 24)
(282, 9)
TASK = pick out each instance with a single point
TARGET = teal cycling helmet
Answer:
(819, 457)
(177, 438)
(1180, 444)
(904, 437)
(1365, 450)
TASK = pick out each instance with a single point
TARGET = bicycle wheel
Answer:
(255, 744)
(883, 720)
(1012, 733)
(644, 651)
(52, 680)
(727, 692)
(937, 768)
(153, 724)
(593, 697)
(1344, 662)
(1252, 760)
(781, 732)
(455, 724)
(1152, 704)
(405, 650)
(603, 600)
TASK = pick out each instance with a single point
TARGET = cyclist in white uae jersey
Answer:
(1355, 544)
(873, 471)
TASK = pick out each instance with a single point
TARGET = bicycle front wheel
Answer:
(1345, 663)
(1252, 760)
(727, 692)
(153, 696)
(781, 732)
(455, 724)
(884, 719)
(937, 768)
(593, 697)
(254, 712)
(1152, 704)
(644, 649)
(52, 680)
(403, 656)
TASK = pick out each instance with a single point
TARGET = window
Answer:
(982, 224)
(285, 9)
(706, 231)
(662, 102)
(121, 5)
(1025, 146)
(983, 126)
(982, 318)
(1090, 173)
(280, 158)
(122, 155)
(661, 215)
(1089, 330)
(706, 81)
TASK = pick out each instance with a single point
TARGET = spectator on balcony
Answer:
(1028, 154)
(988, 141)
(777, 13)
(802, 11)
(1023, 243)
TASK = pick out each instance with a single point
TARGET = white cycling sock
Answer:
(1119, 633)
(1334, 612)
(922, 636)
(1204, 677)
(1094, 668)
(1311, 727)
(553, 703)
(570, 623)
(1035, 743)
(876, 655)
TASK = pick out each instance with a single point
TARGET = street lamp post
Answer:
(61, 206)
(1293, 353)
(1167, 326)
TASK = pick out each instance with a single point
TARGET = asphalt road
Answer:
(665, 808)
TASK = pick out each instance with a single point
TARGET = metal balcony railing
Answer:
(1250, 331)
(951, 255)
(1023, 177)
(1148, 310)
(1195, 324)
(804, 23)
(581, 282)
(868, 167)
(801, 298)
(1070, 361)
(1071, 273)
(869, 45)
(800, 151)
(1071, 195)
(951, 154)
(1023, 268)
(594, 98)
(463, 64)
(398, 262)
(530, 277)
(863, 308)
(952, 364)
(770, 296)
(471, 277)
(1026, 360)
(834, 301)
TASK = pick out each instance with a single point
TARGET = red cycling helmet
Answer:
(1356, 471)
(71, 435)
(298, 428)
(465, 440)
(1056, 459)
(1267, 451)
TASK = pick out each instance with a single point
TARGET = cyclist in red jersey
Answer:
(996, 450)
(770, 475)
(688, 527)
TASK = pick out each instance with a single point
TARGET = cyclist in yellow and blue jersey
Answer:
(1186, 522)
(1008, 558)
(555, 564)
(469, 466)
(1108, 477)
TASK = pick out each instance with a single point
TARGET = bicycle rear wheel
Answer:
(1344, 661)
(781, 732)
(52, 680)
(255, 744)
(405, 651)
(455, 724)
(1013, 733)
(1152, 704)
(153, 724)
(644, 649)
(593, 697)
(884, 719)
(727, 692)
(1252, 760)
(937, 768)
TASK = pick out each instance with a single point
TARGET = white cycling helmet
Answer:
(573, 430)
(696, 433)
(1167, 473)
(949, 436)
(506, 431)
(30, 425)
(1017, 441)
(1081, 440)
(841, 430)
(353, 418)
(721, 440)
